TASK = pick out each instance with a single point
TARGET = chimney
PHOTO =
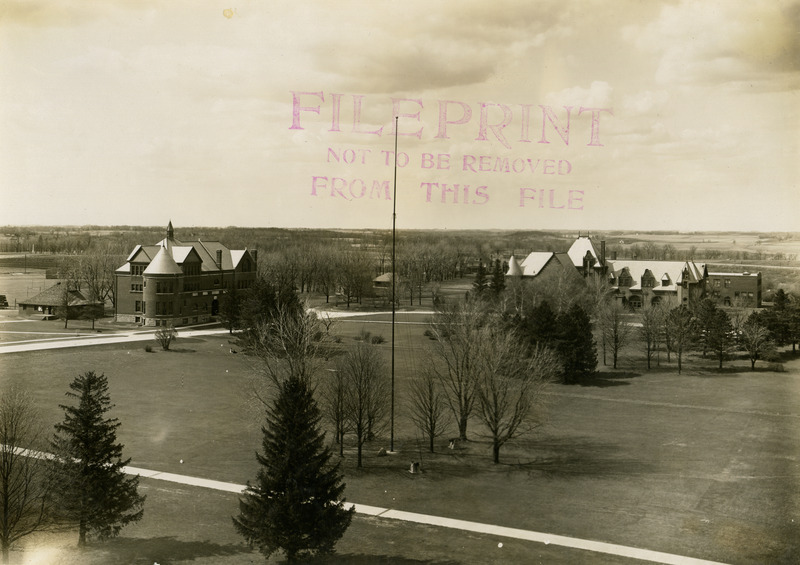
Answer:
(603, 253)
(254, 254)
(219, 258)
(613, 255)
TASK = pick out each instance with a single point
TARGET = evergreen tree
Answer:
(575, 346)
(295, 504)
(718, 337)
(706, 314)
(497, 284)
(230, 308)
(93, 491)
(480, 284)
(539, 325)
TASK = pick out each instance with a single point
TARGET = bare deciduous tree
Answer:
(165, 335)
(427, 407)
(756, 340)
(680, 323)
(510, 386)
(616, 330)
(24, 484)
(455, 356)
(333, 391)
(651, 330)
(367, 393)
(288, 345)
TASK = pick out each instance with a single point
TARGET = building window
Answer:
(137, 270)
(727, 283)
(138, 306)
(136, 287)
(191, 270)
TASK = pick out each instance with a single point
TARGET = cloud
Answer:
(452, 44)
(598, 95)
(718, 42)
(645, 102)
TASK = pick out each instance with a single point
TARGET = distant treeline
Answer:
(485, 245)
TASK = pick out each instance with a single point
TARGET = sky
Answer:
(564, 114)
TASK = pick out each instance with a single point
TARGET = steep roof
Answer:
(533, 264)
(674, 270)
(514, 270)
(163, 264)
(179, 251)
(579, 248)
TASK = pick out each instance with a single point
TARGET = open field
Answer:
(705, 464)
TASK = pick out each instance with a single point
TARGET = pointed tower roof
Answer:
(514, 270)
(170, 231)
(163, 264)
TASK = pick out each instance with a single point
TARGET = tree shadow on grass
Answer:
(578, 457)
(182, 350)
(605, 380)
(167, 549)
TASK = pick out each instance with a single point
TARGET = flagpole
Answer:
(394, 277)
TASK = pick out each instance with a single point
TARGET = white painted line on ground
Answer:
(477, 527)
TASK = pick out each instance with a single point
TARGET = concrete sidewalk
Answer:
(463, 525)
(98, 339)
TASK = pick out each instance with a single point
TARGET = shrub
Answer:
(148, 348)
(377, 340)
(363, 335)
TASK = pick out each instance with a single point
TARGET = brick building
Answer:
(735, 289)
(176, 283)
(639, 283)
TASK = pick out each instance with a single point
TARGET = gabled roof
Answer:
(579, 249)
(204, 251)
(533, 264)
(180, 253)
(54, 296)
(673, 269)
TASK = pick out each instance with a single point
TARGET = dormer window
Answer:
(665, 280)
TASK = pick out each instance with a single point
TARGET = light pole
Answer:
(394, 280)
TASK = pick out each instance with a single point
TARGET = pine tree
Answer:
(480, 284)
(540, 324)
(575, 345)
(497, 284)
(295, 504)
(93, 490)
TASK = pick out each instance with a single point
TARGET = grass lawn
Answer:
(704, 464)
